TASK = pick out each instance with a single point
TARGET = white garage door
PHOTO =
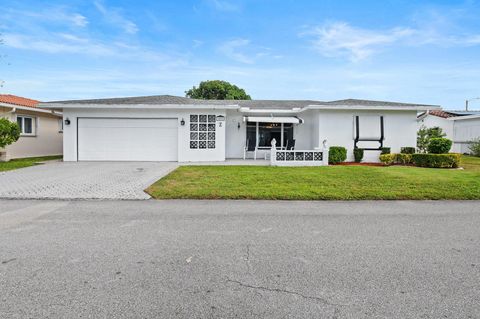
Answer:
(115, 139)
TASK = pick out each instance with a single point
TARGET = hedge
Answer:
(358, 154)
(450, 160)
(385, 150)
(407, 150)
(337, 154)
(387, 159)
(396, 158)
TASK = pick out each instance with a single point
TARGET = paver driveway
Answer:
(85, 180)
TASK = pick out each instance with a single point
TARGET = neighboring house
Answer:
(170, 128)
(41, 129)
(459, 126)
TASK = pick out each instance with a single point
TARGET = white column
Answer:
(273, 153)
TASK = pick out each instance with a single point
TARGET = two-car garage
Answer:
(127, 139)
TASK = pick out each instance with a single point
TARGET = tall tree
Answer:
(217, 90)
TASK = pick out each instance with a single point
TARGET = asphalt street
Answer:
(239, 259)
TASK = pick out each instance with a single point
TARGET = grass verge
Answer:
(320, 183)
(25, 162)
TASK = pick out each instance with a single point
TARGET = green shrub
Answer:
(337, 154)
(407, 150)
(9, 132)
(450, 160)
(387, 159)
(424, 135)
(439, 145)
(385, 150)
(475, 147)
(396, 158)
(358, 154)
(403, 159)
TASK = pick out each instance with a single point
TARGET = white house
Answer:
(170, 128)
(459, 126)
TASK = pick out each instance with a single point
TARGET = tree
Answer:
(217, 90)
(9, 132)
(425, 134)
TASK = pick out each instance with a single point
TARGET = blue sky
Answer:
(411, 51)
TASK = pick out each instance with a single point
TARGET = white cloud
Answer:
(223, 5)
(231, 50)
(79, 20)
(65, 43)
(115, 18)
(341, 39)
(241, 51)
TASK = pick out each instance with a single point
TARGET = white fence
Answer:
(317, 157)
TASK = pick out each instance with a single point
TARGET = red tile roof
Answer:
(441, 113)
(17, 100)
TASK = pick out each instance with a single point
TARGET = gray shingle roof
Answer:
(371, 103)
(261, 104)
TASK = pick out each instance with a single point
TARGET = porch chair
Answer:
(249, 148)
(290, 145)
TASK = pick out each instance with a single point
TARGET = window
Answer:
(281, 132)
(202, 131)
(60, 126)
(27, 125)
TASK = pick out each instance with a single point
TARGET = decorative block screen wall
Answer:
(202, 131)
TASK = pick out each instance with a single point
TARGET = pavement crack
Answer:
(264, 288)
(9, 260)
(247, 258)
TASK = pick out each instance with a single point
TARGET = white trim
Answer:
(465, 117)
(273, 119)
(32, 109)
(237, 107)
(34, 124)
(364, 107)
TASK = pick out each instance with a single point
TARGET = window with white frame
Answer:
(60, 126)
(202, 131)
(26, 124)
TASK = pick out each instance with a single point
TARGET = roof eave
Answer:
(29, 108)
(369, 107)
(465, 117)
(136, 106)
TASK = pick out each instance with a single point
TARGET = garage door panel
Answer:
(127, 139)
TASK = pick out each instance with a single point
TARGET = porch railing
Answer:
(316, 157)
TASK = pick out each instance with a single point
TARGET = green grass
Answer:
(319, 183)
(25, 162)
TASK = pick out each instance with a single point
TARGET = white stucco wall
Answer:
(46, 141)
(185, 154)
(463, 132)
(337, 126)
(436, 121)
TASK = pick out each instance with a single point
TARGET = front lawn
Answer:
(25, 162)
(312, 183)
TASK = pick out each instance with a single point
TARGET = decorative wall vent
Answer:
(202, 131)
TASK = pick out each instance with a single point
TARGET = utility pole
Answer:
(468, 100)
